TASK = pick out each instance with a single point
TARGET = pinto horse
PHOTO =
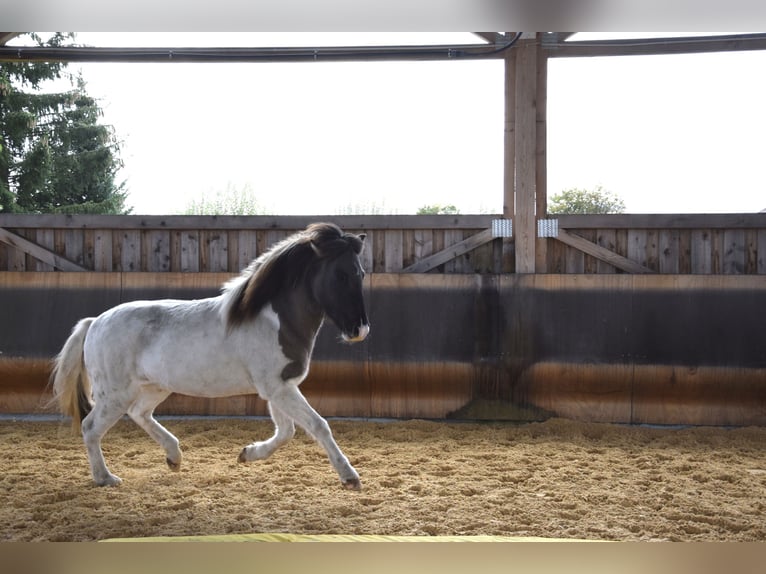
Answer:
(257, 336)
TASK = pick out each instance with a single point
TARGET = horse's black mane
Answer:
(284, 266)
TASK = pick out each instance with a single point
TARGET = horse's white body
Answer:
(133, 356)
(184, 347)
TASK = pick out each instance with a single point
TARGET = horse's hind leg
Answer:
(284, 430)
(94, 427)
(142, 412)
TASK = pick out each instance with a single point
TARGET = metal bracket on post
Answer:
(502, 228)
(547, 227)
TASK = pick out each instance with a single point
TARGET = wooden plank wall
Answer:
(228, 244)
(721, 244)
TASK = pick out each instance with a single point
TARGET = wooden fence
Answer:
(460, 244)
(725, 244)
(698, 244)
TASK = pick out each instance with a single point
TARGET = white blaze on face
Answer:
(364, 330)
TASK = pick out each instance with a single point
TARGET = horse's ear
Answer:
(362, 236)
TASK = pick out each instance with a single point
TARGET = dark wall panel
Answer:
(618, 348)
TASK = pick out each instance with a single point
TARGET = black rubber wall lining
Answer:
(689, 328)
(500, 324)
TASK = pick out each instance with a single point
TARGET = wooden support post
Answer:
(509, 142)
(525, 154)
(541, 162)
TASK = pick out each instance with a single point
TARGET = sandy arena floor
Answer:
(555, 479)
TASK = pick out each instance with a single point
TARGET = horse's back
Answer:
(181, 346)
(137, 324)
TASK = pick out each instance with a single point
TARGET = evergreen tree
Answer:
(54, 155)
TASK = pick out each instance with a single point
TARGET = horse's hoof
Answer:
(111, 480)
(352, 484)
(174, 466)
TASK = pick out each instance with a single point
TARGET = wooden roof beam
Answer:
(495, 38)
(555, 47)
(7, 37)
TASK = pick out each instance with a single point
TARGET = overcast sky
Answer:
(665, 133)
(678, 133)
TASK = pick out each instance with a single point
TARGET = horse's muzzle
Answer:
(359, 334)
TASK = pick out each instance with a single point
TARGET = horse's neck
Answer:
(300, 317)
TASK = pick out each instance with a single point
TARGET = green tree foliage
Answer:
(583, 201)
(54, 155)
(437, 209)
(231, 201)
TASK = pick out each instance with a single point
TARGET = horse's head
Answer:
(337, 283)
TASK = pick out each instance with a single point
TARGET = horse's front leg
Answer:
(284, 430)
(292, 403)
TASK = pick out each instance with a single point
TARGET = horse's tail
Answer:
(71, 385)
